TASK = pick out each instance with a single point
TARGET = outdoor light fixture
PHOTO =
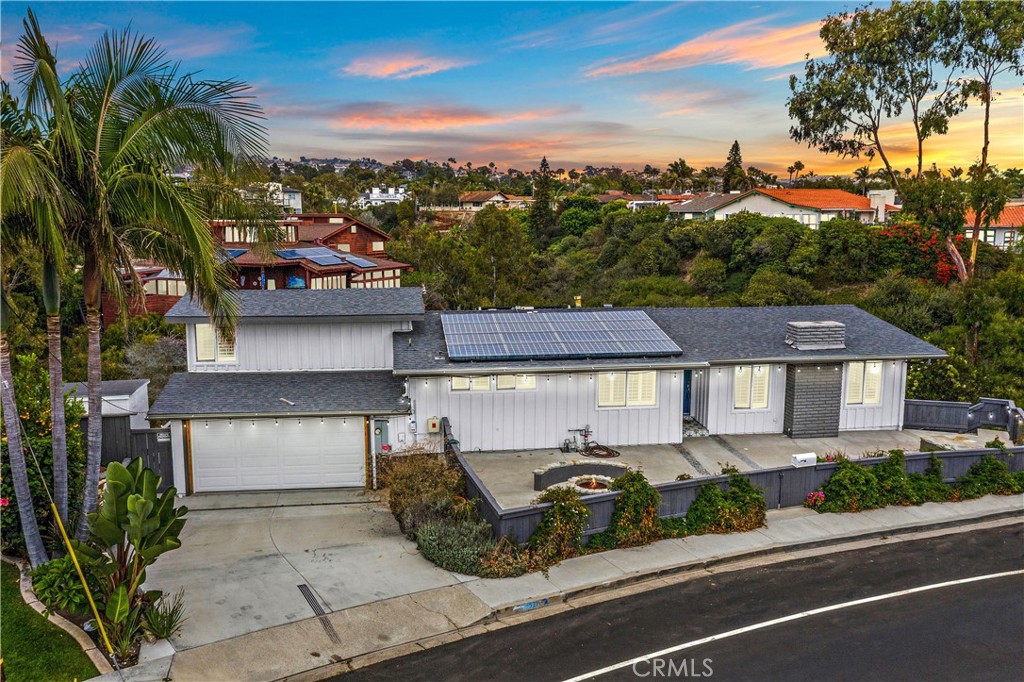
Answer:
(275, 422)
(230, 423)
(344, 421)
(321, 420)
(300, 422)
(254, 423)
(207, 423)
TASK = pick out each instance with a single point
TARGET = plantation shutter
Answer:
(873, 383)
(225, 349)
(506, 382)
(641, 388)
(480, 383)
(611, 389)
(742, 387)
(205, 341)
(854, 383)
(460, 383)
(759, 387)
(526, 381)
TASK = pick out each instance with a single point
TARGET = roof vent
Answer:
(825, 335)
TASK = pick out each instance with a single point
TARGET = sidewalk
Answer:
(363, 635)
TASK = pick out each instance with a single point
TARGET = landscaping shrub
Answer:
(58, 587)
(988, 477)
(635, 519)
(417, 485)
(507, 560)
(740, 507)
(455, 545)
(559, 535)
(930, 486)
(164, 617)
(851, 488)
(894, 484)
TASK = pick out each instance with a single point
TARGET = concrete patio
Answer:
(509, 474)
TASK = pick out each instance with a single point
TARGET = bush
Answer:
(740, 507)
(418, 483)
(163, 619)
(930, 486)
(507, 560)
(893, 482)
(987, 477)
(455, 545)
(851, 488)
(57, 585)
(635, 519)
(707, 275)
(559, 535)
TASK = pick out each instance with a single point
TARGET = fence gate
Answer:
(154, 447)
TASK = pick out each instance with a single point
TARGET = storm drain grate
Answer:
(314, 604)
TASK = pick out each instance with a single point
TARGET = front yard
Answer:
(33, 647)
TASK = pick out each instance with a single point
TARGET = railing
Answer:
(782, 486)
(941, 415)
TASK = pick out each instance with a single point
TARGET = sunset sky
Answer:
(584, 83)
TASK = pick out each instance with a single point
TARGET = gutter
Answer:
(527, 369)
(275, 415)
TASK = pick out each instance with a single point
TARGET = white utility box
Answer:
(805, 459)
(433, 425)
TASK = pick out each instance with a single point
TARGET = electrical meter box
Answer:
(434, 425)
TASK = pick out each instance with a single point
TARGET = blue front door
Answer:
(687, 375)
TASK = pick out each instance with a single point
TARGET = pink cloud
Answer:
(748, 42)
(401, 66)
(416, 118)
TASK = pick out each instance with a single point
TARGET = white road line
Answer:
(786, 619)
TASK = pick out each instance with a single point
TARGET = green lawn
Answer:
(33, 647)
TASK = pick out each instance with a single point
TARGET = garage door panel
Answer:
(277, 454)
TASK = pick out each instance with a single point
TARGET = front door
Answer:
(687, 377)
(380, 436)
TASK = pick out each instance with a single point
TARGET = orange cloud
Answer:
(400, 66)
(392, 117)
(749, 42)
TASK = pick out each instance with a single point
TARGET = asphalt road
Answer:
(971, 631)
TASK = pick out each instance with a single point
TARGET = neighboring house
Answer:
(519, 201)
(811, 207)
(161, 290)
(121, 398)
(474, 201)
(303, 396)
(287, 198)
(699, 208)
(379, 196)
(316, 383)
(1005, 231)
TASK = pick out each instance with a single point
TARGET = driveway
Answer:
(244, 556)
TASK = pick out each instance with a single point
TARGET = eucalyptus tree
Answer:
(135, 118)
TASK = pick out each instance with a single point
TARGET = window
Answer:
(627, 389)
(378, 246)
(355, 228)
(471, 383)
(345, 247)
(751, 387)
(520, 382)
(863, 383)
(212, 346)
(988, 236)
(328, 282)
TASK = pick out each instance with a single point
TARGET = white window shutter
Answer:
(506, 381)
(873, 383)
(742, 387)
(205, 351)
(611, 389)
(760, 376)
(460, 383)
(642, 388)
(225, 349)
(854, 383)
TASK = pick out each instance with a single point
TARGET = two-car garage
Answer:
(277, 454)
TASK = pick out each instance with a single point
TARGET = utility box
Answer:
(805, 459)
(434, 425)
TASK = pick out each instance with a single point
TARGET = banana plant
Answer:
(133, 526)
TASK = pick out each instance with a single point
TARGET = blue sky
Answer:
(584, 83)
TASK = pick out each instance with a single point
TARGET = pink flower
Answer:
(4, 502)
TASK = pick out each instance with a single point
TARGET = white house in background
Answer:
(1005, 231)
(811, 207)
(121, 398)
(316, 384)
(289, 199)
(379, 196)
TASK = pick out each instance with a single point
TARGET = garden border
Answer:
(28, 595)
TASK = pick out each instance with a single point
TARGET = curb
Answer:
(84, 641)
(509, 616)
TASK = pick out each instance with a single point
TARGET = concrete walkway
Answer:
(368, 633)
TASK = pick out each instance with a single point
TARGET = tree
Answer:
(798, 166)
(133, 116)
(542, 215)
(732, 171)
(862, 175)
(680, 174)
(499, 256)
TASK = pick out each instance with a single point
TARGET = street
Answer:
(969, 630)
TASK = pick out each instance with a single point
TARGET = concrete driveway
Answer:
(244, 556)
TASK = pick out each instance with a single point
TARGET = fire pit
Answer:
(590, 484)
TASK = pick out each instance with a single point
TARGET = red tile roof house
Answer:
(1005, 231)
(811, 207)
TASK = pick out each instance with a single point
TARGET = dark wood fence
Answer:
(122, 444)
(942, 415)
(783, 487)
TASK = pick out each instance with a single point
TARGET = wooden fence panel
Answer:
(936, 415)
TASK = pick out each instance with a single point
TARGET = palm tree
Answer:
(133, 119)
(862, 175)
(798, 166)
(956, 172)
(791, 170)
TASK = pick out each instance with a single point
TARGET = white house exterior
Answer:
(1004, 232)
(812, 207)
(379, 196)
(315, 384)
(121, 398)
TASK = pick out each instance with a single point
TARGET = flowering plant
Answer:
(814, 499)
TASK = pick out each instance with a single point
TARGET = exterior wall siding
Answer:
(758, 203)
(722, 418)
(305, 346)
(887, 414)
(699, 379)
(813, 399)
(541, 418)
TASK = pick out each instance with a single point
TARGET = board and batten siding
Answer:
(305, 346)
(721, 417)
(699, 395)
(888, 413)
(542, 417)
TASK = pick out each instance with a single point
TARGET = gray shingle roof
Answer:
(108, 388)
(314, 304)
(249, 393)
(702, 204)
(705, 335)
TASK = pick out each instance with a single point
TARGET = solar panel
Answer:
(235, 253)
(326, 260)
(554, 334)
(289, 254)
(360, 262)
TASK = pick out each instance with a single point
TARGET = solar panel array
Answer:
(545, 335)
(235, 253)
(321, 255)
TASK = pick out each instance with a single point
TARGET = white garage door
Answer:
(268, 454)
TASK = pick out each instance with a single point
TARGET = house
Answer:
(379, 196)
(301, 397)
(811, 207)
(699, 208)
(474, 201)
(287, 198)
(315, 384)
(121, 398)
(1005, 231)
(161, 290)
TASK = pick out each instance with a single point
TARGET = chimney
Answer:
(879, 198)
(824, 335)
